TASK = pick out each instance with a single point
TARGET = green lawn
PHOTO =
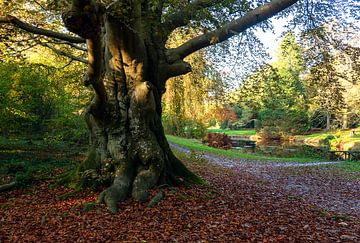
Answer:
(196, 145)
(233, 132)
(353, 166)
(27, 161)
(337, 133)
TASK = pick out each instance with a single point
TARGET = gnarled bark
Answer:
(128, 70)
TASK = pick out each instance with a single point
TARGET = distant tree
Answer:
(325, 91)
(276, 93)
(333, 64)
(189, 100)
(26, 99)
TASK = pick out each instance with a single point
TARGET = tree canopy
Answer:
(39, 22)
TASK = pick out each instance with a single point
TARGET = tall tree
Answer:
(190, 100)
(129, 64)
(331, 57)
(277, 93)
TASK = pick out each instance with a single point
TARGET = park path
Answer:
(319, 185)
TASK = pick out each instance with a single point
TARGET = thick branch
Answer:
(232, 28)
(39, 31)
(176, 69)
(62, 53)
(84, 18)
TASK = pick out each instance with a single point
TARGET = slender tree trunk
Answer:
(328, 117)
(345, 120)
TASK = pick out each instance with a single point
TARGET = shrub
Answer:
(218, 140)
(183, 127)
(280, 123)
(194, 129)
(24, 179)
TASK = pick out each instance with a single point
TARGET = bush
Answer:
(183, 127)
(24, 179)
(218, 140)
(277, 124)
(13, 168)
(236, 125)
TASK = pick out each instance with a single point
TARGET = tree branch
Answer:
(62, 53)
(232, 28)
(176, 69)
(80, 48)
(35, 30)
(84, 18)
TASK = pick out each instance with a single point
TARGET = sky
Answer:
(270, 40)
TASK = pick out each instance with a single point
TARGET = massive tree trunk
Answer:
(128, 70)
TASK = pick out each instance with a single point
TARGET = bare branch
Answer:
(75, 46)
(80, 48)
(62, 53)
(35, 30)
(232, 28)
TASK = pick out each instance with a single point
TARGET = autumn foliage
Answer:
(218, 140)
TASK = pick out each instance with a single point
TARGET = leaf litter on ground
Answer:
(236, 205)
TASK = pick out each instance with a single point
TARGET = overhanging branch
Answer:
(232, 28)
(62, 53)
(77, 47)
(39, 31)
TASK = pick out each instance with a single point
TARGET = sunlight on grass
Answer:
(353, 166)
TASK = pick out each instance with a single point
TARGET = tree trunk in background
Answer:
(128, 70)
(328, 117)
(345, 120)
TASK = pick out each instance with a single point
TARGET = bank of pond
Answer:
(246, 144)
(289, 148)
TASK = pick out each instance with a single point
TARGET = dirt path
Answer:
(316, 184)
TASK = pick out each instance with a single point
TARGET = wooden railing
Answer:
(345, 155)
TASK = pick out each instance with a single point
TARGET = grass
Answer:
(233, 132)
(196, 145)
(342, 134)
(349, 166)
(27, 162)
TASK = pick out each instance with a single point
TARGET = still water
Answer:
(281, 148)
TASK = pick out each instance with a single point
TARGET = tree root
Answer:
(144, 181)
(155, 200)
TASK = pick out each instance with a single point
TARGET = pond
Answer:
(281, 148)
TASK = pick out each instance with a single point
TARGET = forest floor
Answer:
(244, 201)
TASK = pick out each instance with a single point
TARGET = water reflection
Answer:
(281, 148)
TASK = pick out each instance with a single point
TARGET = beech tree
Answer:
(129, 64)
